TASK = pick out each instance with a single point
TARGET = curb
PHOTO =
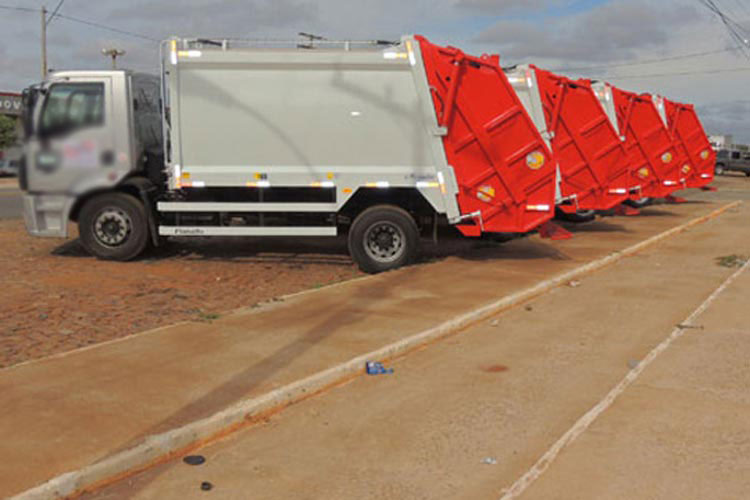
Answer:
(162, 447)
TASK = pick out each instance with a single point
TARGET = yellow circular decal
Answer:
(666, 157)
(704, 155)
(643, 173)
(535, 160)
(486, 193)
(685, 169)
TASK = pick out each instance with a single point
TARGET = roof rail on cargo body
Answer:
(187, 43)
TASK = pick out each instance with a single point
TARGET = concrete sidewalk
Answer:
(681, 430)
(76, 409)
(467, 417)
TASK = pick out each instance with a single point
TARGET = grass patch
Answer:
(204, 316)
(731, 261)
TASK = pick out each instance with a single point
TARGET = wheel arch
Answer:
(140, 188)
(412, 200)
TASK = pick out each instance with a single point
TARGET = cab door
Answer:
(74, 141)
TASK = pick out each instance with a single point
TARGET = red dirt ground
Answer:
(56, 298)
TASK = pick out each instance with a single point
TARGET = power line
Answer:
(650, 61)
(736, 30)
(55, 11)
(682, 73)
(107, 28)
(83, 21)
(21, 9)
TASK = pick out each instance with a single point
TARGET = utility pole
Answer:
(114, 54)
(44, 42)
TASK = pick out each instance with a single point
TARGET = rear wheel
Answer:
(719, 169)
(500, 237)
(640, 203)
(382, 238)
(113, 226)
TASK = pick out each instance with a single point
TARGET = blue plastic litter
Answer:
(376, 368)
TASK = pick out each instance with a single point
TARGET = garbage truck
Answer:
(660, 166)
(592, 163)
(378, 141)
(687, 131)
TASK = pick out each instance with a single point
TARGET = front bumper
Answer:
(47, 214)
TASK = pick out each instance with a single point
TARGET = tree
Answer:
(8, 132)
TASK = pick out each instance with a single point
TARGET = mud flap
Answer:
(674, 200)
(626, 211)
(552, 231)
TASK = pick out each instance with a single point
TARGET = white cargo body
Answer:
(329, 119)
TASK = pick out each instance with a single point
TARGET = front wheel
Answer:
(719, 169)
(382, 238)
(113, 226)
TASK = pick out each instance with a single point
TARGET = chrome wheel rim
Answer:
(384, 242)
(112, 227)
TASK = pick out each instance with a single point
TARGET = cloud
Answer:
(727, 118)
(227, 18)
(551, 33)
(616, 30)
(500, 7)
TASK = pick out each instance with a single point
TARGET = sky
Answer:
(613, 40)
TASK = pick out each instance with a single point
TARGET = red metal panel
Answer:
(593, 161)
(654, 162)
(688, 133)
(504, 170)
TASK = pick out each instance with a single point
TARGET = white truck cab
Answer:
(81, 137)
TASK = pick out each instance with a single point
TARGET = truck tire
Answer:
(382, 238)
(719, 169)
(500, 237)
(578, 217)
(113, 226)
(640, 203)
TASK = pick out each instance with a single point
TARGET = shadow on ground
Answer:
(334, 251)
(294, 252)
(598, 226)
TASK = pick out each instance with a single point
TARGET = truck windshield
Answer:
(71, 106)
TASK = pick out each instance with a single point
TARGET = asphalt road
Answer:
(10, 200)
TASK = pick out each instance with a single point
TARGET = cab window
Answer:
(735, 155)
(72, 106)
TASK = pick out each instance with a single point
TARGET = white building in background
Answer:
(721, 141)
